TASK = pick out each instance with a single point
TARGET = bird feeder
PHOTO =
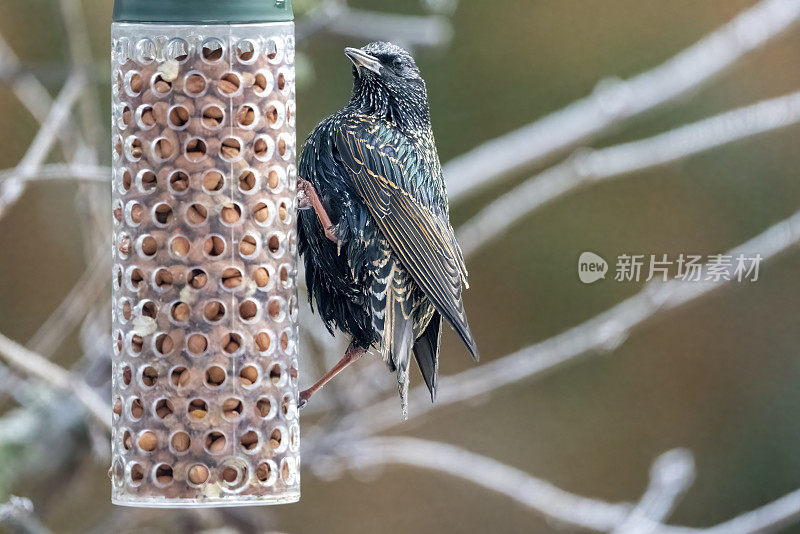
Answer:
(204, 294)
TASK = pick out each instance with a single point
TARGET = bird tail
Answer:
(426, 350)
(395, 322)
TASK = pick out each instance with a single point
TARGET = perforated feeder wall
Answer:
(204, 299)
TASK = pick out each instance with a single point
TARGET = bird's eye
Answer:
(397, 63)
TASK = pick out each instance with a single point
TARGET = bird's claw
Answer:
(330, 233)
(303, 400)
(303, 202)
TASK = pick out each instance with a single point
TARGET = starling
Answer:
(382, 262)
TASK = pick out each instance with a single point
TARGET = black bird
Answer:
(382, 262)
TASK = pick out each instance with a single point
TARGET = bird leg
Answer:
(307, 198)
(353, 353)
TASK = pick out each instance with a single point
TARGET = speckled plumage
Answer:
(397, 269)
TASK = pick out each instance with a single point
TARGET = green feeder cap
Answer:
(202, 11)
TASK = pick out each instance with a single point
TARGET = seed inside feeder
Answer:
(163, 214)
(181, 441)
(215, 442)
(263, 471)
(262, 341)
(248, 245)
(248, 375)
(197, 278)
(263, 407)
(160, 85)
(232, 408)
(163, 278)
(137, 409)
(198, 474)
(149, 181)
(214, 246)
(195, 149)
(136, 83)
(164, 344)
(198, 408)
(197, 343)
(248, 310)
(180, 375)
(179, 181)
(231, 278)
(149, 376)
(249, 441)
(179, 246)
(231, 342)
(260, 83)
(213, 181)
(231, 213)
(164, 474)
(212, 117)
(214, 311)
(164, 408)
(194, 84)
(147, 116)
(247, 180)
(261, 212)
(229, 83)
(246, 116)
(261, 276)
(148, 441)
(180, 312)
(231, 147)
(178, 117)
(275, 439)
(196, 214)
(215, 376)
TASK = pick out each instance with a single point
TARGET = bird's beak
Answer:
(363, 60)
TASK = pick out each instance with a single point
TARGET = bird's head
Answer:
(387, 83)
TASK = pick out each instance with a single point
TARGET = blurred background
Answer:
(715, 377)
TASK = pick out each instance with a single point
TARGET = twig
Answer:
(13, 187)
(532, 492)
(614, 101)
(62, 171)
(604, 332)
(74, 306)
(409, 31)
(412, 31)
(32, 94)
(35, 365)
(670, 476)
(589, 166)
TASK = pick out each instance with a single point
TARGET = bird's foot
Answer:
(330, 233)
(303, 400)
(303, 200)
(307, 198)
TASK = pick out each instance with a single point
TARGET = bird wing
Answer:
(426, 247)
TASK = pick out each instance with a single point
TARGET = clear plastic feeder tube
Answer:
(204, 294)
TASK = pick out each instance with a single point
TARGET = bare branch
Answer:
(532, 492)
(670, 476)
(614, 101)
(62, 171)
(772, 517)
(337, 18)
(12, 188)
(74, 307)
(590, 166)
(36, 365)
(602, 333)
